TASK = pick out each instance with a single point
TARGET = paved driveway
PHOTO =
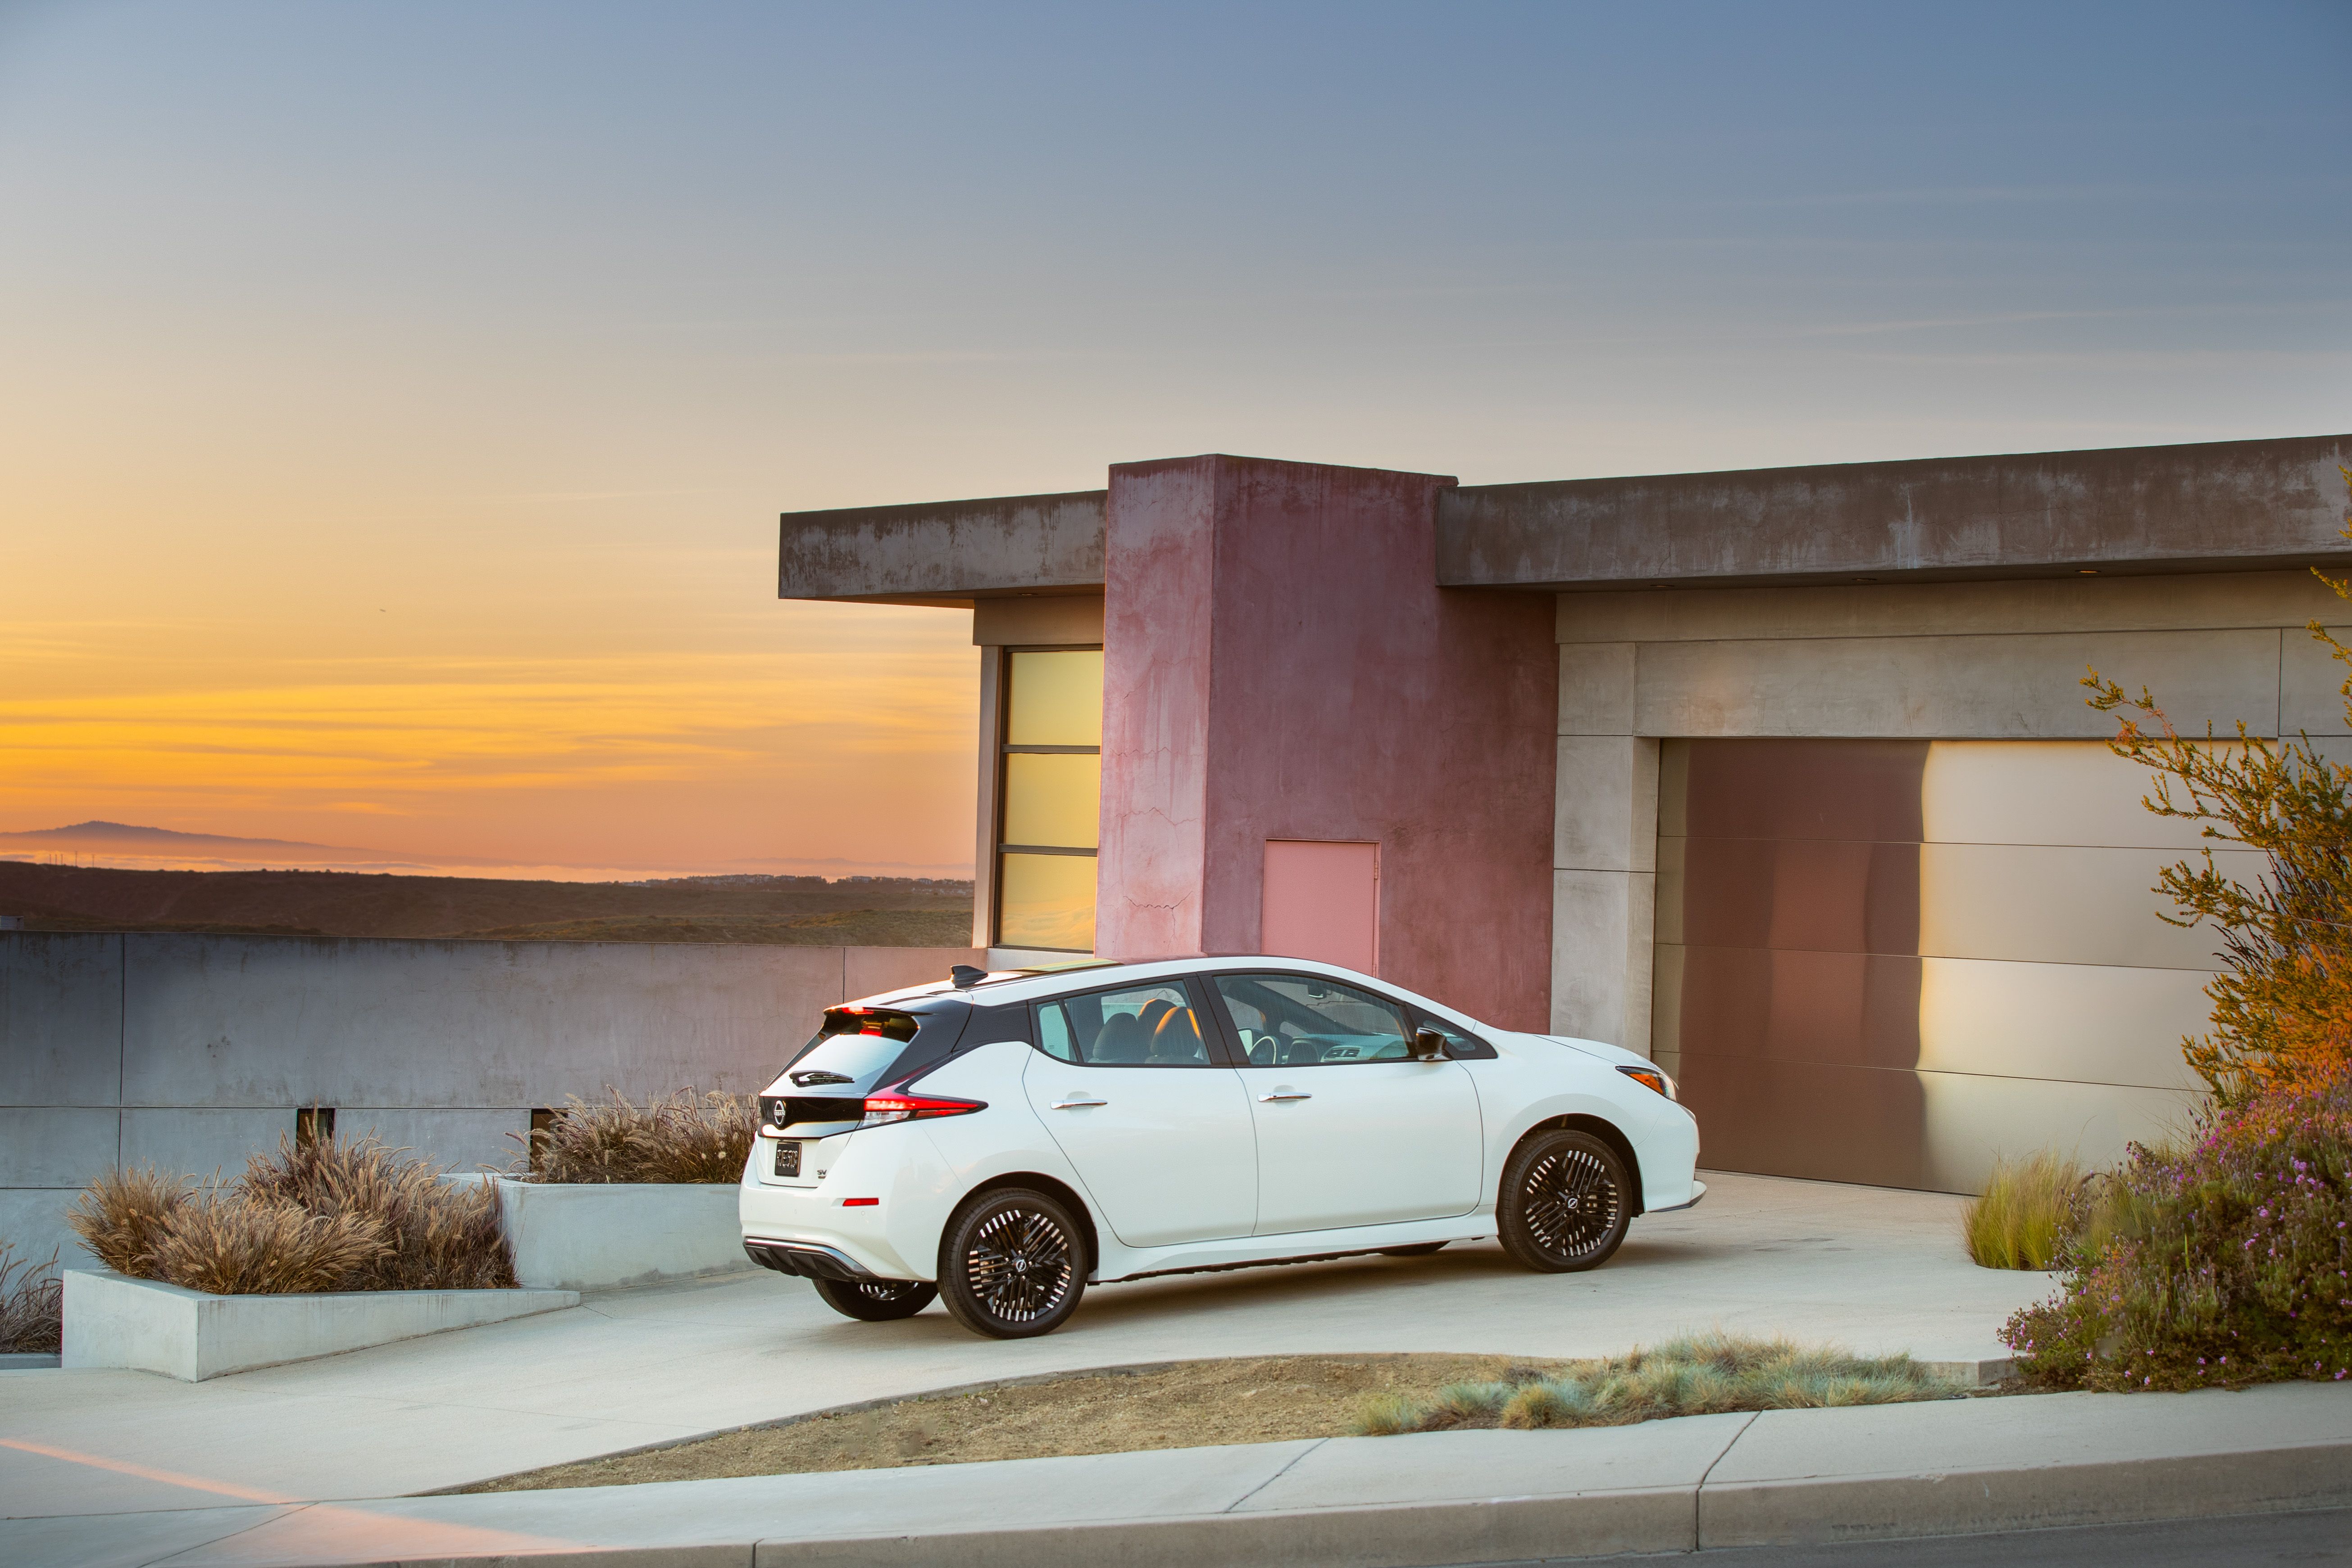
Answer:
(1873, 1269)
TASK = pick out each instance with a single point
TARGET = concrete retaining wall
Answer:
(193, 1052)
(113, 1320)
(586, 1237)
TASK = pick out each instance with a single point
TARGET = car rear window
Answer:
(857, 1050)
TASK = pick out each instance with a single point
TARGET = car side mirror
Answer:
(1428, 1046)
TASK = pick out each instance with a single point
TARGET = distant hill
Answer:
(878, 911)
(125, 846)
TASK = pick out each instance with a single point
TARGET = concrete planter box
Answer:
(114, 1321)
(598, 1236)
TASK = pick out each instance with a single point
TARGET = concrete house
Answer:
(1783, 776)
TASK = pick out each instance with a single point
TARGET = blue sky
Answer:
(525, 319)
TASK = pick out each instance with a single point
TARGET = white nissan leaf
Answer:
(1004, 1141)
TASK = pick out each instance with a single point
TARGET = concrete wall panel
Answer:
(865, 971)
(246, 1021)
(60, 1018)
(2009, 687)
(2311, 682)
(455, 1140)
(1596, 688)
(56, 1147)
(33, 1223)
(1038, 620)
(1600, 956)
(2204, 602)
(1606, 815)
(202, 1144)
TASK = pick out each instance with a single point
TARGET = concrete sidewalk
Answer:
(1876, 1269)
(1780, 1477)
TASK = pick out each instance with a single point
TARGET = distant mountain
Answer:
(95, 833)
(133, 846)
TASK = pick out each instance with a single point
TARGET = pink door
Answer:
(1322, 902)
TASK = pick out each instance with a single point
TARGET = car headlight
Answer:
(1651, 1077)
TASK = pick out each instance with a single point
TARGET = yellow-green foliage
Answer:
(2022, 1218)
(1696, 1376)
(2283, 1001)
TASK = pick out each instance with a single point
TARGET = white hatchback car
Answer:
(1003, 1141)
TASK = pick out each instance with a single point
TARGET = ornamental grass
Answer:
(2022, 1218)
(2224, 1264)
(327, 1216)
(1701, 1374)
(32, 1303)
(676, 1138)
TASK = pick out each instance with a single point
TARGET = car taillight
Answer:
(881, 1110)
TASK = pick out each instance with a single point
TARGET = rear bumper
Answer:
(806, 1259)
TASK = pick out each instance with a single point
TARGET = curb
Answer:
(1779, 1478)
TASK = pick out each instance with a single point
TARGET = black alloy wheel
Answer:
(1565, 1203)
(877, 1301)
(1421, 1250)
(1012, 1263)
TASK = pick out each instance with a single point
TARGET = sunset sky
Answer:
(396, 399)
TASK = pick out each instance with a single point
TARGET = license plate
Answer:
(788, 1159)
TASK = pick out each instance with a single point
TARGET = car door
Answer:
(1351, 1128)
(1135, 1095)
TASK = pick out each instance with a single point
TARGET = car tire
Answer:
(877, 1301)
(1012, 1263)
(1566, 1202)
(1423, 1251)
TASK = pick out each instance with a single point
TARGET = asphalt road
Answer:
(2321, 1536)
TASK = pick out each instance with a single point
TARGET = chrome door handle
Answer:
(1075, 1104)
(1283, 1094)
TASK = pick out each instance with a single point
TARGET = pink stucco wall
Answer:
(1278, 663)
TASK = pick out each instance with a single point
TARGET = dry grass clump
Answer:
(32, 1303)
(319, 1216)
(2023, 1218)
(1702, 1374)
(123, 1215)
(677, 1137)
(436, 1234)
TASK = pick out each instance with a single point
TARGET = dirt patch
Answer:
(1266, 1399)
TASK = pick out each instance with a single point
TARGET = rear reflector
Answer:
(859, 1202)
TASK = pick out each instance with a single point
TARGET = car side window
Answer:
(1459, 1043)
(1135, 1026)
(1301, 1020)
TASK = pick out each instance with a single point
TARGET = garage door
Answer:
(1887, 962)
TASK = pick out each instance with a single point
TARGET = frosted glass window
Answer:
(1046, 901)
(1052, 799)
(1055, 698)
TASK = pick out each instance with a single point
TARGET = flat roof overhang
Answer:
(945, 552)
(2212, 506)
(2205, 507)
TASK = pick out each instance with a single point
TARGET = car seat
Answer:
(1123, 1041)
(1176, 1040)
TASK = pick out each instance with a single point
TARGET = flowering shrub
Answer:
(2227, 1263)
